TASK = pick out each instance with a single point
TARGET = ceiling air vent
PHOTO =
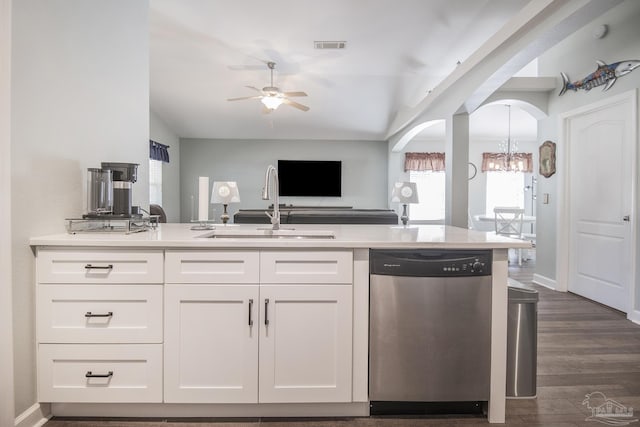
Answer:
(330, 44)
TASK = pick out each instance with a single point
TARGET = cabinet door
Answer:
(305, 343)
(211, 344)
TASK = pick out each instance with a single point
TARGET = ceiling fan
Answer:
(271, 97)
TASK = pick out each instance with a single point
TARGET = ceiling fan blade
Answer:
(244, 97)
(295, 104)
(254, 88)
(266, 110)
(292, 94)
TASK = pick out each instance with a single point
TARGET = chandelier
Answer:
(508, 159)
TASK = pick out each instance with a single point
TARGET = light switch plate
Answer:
(545, 198)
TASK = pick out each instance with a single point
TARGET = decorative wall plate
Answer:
(547, 159)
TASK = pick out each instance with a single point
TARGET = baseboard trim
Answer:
(180, 410)
(541, 280)
(35, 416)
(634, 316)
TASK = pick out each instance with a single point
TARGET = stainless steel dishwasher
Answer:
(429, 331)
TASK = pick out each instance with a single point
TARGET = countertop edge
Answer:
(179, 236)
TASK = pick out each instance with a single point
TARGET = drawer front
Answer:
(99, 314)
(306, 267)
(105, 373)
(99, 266)
(212, 266)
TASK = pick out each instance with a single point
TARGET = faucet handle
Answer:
(275, 217)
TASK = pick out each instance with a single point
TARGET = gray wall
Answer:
(576, 56)
(160, 132)
(364, 170)
(80, 96)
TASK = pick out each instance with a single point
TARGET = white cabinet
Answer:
(99, 325)
(212, 266)
(194, 326)
(72, 265)
(305, 343)
(99, 314)
(258, 342)
(211, 343)
(100, 373)
(322, 267)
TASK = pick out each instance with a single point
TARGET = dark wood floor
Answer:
(583, 347)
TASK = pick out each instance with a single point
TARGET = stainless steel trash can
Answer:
(522, 342)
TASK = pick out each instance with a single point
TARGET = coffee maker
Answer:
(123, 175)
(109, 202)
(109, 192)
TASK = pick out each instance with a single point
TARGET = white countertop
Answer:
(346, 236)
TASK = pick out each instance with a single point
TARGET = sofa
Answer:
(318, 215)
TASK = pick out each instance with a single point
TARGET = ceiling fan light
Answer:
(271, 102)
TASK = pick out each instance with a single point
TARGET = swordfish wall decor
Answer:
(605, 74)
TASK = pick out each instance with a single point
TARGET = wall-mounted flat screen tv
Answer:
(310, 178)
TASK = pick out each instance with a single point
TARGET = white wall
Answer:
(576, 56)
(80, 96)
(364, 170)
(160, 132)
(7, 410)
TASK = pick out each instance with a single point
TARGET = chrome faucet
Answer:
(266, 195)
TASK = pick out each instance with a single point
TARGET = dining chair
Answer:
(157, 210)
(508, 222)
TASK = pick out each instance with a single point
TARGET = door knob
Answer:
(626, 218)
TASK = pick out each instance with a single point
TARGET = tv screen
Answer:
(310, 178)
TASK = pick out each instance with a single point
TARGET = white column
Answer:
(457, 170)
(499, 300)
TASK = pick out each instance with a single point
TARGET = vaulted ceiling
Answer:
(203, 52)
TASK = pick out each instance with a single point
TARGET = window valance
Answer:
(522, 162)
(424, 162)
(158, 151)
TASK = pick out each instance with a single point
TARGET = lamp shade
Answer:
(404, 192)
(225, 192)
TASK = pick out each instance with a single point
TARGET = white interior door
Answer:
(601, 161)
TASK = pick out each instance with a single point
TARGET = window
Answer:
(155, 182)
(504, 189)
(431, 196)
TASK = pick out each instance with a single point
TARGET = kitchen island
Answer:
(125, 326)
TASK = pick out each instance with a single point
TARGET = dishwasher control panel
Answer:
(430, 262)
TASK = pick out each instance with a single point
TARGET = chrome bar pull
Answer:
(99, 267)
(250, 310)
(266, 312)
(90, 314)
(90, 374)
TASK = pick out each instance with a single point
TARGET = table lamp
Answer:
(405, 193)
(225, 192)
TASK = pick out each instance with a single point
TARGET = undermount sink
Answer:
(269, 234)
